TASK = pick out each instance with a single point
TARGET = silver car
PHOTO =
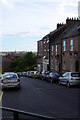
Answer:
(10, 80)
(70, 78)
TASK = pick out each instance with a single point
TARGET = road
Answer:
(44, 98)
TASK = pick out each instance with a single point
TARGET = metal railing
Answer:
(30, 115)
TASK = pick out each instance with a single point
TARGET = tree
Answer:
(24, 63)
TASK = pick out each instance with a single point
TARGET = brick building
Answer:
(71, 49)
(43, 53)
(63, 47)
(60, 47)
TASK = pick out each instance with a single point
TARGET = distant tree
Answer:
(24, 63)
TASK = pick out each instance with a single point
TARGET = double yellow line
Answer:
(1, 94)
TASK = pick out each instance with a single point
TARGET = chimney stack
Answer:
(59, 25)
(71, 20)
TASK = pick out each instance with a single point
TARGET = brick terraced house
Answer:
(43, 53)
(64, 48)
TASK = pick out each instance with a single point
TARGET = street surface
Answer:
(41, 97)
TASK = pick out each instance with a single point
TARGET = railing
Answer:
(30, 115)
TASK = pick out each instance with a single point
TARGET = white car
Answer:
(30, 73)
(70, 78)
(10, 80)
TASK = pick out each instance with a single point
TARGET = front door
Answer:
(77, 66)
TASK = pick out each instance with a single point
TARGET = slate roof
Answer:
(73, 31)
(70, 31)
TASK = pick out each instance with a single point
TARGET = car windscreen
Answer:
(75, 74)
(10, 76)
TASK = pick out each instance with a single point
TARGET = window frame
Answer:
(56, 49)
(71, 45)
(64, 45)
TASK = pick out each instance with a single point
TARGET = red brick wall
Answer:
(70, 56)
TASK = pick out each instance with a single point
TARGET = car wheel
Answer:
(68, 84)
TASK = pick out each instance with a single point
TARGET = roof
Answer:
(73, 31)
(51, 33)
(70, 31)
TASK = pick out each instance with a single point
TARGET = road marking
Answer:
(1, 94)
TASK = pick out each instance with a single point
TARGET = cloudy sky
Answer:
(24, 22)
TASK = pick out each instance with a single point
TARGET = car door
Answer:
(64, 78)
(67, 77)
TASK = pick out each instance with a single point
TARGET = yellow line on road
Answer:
(1, 95)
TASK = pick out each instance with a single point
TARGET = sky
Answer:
(24, 22)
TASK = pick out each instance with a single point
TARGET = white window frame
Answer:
(64, 45)
(71, 45)
(52, 50)
(56, 49)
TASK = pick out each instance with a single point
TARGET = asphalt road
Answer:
(41, 97)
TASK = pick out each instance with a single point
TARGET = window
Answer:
(47, 41)
(44, 42)
(52, 48)
(64, 45)
(71, 45)
(75, 74)
(41, 43)
(67, 74)
(56, 49)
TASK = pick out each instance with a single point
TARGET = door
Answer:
(77, 66)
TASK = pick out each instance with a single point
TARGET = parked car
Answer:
(30, 73)
(70, 78)
(27, 73)
(45, 75)
(10, 80)
(36, 74)
(19, 74)
(54, 77)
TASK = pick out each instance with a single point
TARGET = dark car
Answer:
(45, 75)
(54, 77)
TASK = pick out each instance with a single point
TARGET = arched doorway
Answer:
(77, 66)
